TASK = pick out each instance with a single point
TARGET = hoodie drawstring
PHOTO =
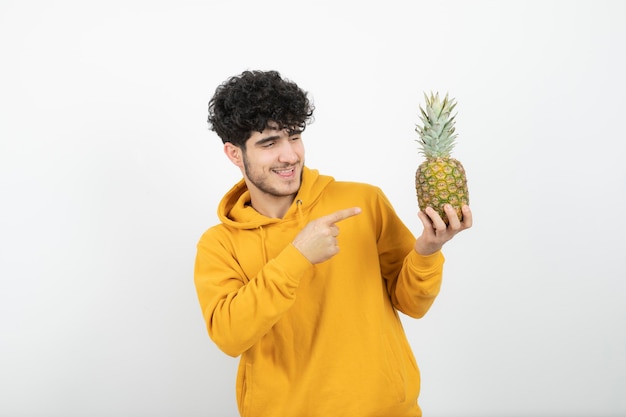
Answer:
(262, 230)
(300, 215)
(262, 233)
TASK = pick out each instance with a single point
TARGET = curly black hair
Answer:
(245, 103)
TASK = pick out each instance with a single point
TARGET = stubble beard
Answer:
(263, 185)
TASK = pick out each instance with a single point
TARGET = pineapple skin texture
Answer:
(440, 181)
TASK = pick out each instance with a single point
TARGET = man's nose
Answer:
(288, 153)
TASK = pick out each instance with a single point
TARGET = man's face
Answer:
(273, 161)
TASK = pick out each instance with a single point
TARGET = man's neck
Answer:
(270, 206)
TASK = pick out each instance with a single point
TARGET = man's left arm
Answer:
(419, 280)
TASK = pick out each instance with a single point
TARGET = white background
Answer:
(109, 174)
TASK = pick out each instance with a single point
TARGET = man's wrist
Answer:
(426, 249)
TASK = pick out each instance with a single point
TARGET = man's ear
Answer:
(234, 154)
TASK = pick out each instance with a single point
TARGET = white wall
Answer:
(109, 175)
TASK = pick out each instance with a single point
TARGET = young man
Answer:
(305, 275)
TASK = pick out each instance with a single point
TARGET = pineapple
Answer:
(440, 179)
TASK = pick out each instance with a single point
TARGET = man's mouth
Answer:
(285, 172)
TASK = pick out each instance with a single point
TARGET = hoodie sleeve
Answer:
(418, 283)
(238, 311)
(413, 281)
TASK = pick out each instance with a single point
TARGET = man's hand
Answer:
(318, 240)
(436, 233)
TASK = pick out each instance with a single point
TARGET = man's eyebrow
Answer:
(290, 132)
(267, 139)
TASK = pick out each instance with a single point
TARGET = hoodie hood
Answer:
(235, 210)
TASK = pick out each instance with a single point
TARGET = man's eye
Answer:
(268, 144)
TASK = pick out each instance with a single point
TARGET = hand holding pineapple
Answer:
(440, 181)
(436, 232)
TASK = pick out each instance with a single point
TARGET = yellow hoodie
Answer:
(319, 340)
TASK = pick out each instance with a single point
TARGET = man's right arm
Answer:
(238, 311)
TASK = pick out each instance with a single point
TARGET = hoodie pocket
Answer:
(395, 371)
(244, 389)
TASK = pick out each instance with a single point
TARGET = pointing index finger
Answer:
(341, 215)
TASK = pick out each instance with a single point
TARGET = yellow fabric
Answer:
(316, 340)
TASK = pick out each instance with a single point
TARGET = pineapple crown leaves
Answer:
(437, 137)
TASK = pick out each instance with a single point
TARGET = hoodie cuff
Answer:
(294, 264)
(425, 265)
